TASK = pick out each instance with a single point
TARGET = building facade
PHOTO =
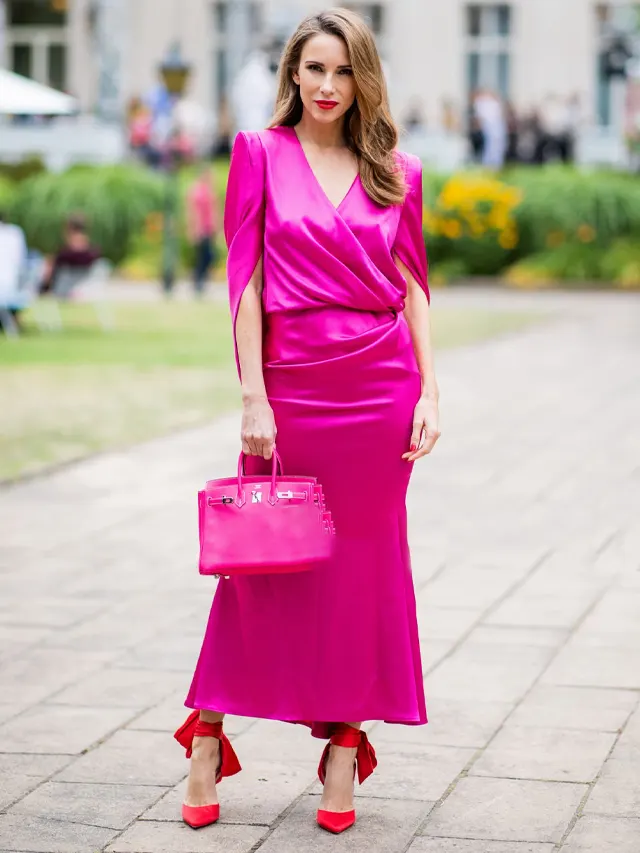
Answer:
(436, 51)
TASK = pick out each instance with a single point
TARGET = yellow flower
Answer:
(508, 239)
(452, 229)
(586, 234)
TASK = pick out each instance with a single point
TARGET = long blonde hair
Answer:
(370, 131)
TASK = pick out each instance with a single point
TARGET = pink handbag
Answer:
(253, 525)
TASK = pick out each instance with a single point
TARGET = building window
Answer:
(256, 21)
(488, 56)
(252, 27)
(221, 16)
(22, 59)
(36, 40)
(373, 13)
(618, 28)
(36, 13)
(57, 66)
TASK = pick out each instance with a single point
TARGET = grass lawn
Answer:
(166, 366)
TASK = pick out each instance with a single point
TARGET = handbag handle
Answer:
(273, 495)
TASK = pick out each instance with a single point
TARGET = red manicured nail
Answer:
(413, 447)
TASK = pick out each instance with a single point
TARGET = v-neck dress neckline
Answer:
(337, 208)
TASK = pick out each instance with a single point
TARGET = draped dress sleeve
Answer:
(244, 219)
(409, 244)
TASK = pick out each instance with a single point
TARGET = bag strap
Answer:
(276, 464)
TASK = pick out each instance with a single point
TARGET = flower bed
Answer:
(536, 227)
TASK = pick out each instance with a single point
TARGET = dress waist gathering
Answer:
(329, 332)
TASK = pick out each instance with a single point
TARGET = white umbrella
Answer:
(21, 96)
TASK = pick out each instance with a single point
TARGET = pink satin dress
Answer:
(340, 643)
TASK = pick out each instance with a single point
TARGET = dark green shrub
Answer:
(115, 199)
(26, 168)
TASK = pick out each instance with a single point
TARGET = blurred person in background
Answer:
(448, 116)
(77, 252)
(513, 133)
(490, 113)
(529, 134)
(224, 131)
(414, 120)
(139, 120)
(558, 129)
(203, 221)
(575, 120)
(474, 130)
(13, 262)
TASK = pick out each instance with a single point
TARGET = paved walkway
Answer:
(526, 542)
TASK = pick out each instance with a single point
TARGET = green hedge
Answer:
(527, 223)
(564, 201)
(116, 200)
(7, 194)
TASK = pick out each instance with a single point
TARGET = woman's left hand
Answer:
(425, 423)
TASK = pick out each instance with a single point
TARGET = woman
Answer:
(328, 285)
(202, 224)
(77, 252)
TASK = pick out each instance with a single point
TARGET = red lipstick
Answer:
(327, 105)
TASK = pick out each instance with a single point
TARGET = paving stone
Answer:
(553, 706)
(20, 774)
(414, 772)
(599, 834)
(492, 672)
(59, 729)
(628, 747)
(131, 758)
(554, 754)
(443, 623)
(166, 716)
(617, 791)
(594, 667)
(256, 796)
(33, 677)
(433, 652)
(48, 611)
(452, 722)
(149, 837)
(126, 688)
(461, 845)
(631, 734)
(516, 635)
(545, 610)
(35, 835)
(380, 828)
(270, 739)
(470, 586)
(617, 613)
(111, 806)
(15, 639)
(506, 810)
(9, 711)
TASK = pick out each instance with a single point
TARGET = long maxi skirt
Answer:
(339, 643)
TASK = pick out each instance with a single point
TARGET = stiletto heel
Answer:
(198, 816)
(365, 763)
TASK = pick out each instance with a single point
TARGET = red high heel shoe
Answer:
(198, 816)
(365, 763)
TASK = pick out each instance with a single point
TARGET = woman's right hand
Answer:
(258, 427)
